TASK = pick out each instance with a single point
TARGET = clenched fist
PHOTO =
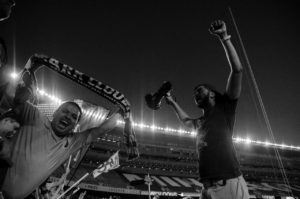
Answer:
(219, 29)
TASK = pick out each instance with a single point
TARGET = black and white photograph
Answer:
(149, 99)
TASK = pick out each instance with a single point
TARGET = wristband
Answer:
(226, 38)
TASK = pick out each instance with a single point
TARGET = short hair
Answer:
(210, 87)
(75, 104)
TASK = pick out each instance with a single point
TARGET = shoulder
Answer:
(225, 98)
(82, 137)
(32, 109)
(198, 122)
(227, 104)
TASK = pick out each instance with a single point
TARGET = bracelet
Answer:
(226, 38)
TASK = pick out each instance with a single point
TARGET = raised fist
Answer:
(219, 29)
(35, 61)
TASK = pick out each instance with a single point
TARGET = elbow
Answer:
(187, 122)
(238, 69)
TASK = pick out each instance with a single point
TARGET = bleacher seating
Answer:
(174, 167)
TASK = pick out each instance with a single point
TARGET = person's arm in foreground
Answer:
(234, 83)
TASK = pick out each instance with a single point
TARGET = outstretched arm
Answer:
(181, 114)
(234, 83)
(108, 125)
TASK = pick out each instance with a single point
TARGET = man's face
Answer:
(65, 119)
(5, 8)
(201, 96)
(8, 127)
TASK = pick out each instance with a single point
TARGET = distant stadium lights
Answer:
(41, 92)
(178, 131)
(193, 133)
(14, 75)
(266, 143)
(248, 141)
(53, 98)
(153, 127)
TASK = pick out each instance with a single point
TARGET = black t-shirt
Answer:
(217, 156)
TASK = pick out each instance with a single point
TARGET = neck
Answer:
(209, 107)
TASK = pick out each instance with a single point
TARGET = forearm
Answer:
(14, 97)
(234, 83)
(231, 54)
(108, 125)
(22, 95)
(181, 114)
(24, 89)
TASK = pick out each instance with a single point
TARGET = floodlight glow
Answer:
(119, 122)
(181, 131)
(14, 75)
(194, 133)
(41, 92)
(52, 97)
(267, 143)
(141, 125)
(153, 127)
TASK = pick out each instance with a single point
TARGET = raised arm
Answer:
(108, 125)
(181, 114)
(25, 87)
(234, 83)
(35, 62)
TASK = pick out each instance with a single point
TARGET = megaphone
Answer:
(153, 101)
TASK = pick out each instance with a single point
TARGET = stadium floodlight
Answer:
(238, 139)
(248, 141)
(194, 133)
(41, 92)
(52, 97)
(14, 75)
(267, 143)
(119, 122)
(153, 127)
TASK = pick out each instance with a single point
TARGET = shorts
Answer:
(234, 188)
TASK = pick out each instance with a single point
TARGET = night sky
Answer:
(135, 47)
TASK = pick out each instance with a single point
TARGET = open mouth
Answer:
(63, 124)
(10, 134)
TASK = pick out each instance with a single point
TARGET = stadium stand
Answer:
(171, 162)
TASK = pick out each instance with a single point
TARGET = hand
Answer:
(26, 88)
(219, 29)
(170, 99)
(126, 114)
(35, 62)
(67, 171)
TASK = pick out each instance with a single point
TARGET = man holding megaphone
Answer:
(214, 127)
